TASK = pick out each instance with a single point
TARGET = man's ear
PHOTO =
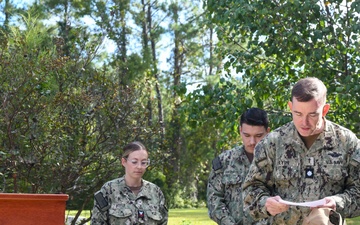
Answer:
(290, 105)
(325, 110)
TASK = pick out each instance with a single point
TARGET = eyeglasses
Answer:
(134, 162)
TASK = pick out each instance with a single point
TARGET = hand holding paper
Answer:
(306, 204)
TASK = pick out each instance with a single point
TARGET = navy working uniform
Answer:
(125, 208)
(284, 166)
(224, 193)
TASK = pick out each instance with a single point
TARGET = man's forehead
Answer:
(311, 106)
(251, 129)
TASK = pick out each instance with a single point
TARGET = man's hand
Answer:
(329, 203)
(273, 206)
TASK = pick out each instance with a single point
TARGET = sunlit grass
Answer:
(200, 217)
(353, 221)
(194, 217)
(84, 213)
(176, 216)
(189, 217)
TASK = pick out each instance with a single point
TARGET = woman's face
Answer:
(136, 163)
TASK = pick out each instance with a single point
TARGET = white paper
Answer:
(307, 204)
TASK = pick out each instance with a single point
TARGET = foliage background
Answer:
(78, 86)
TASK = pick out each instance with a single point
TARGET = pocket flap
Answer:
(120, 211)
(155, 215)
(232, 177)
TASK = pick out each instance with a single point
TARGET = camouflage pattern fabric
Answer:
(284, 166)
(224, 193)
(148, 207)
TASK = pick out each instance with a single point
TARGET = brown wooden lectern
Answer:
(32, 209)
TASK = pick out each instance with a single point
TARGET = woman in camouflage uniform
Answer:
(130, 200)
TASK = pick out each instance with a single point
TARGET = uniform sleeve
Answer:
(348, 202)
(163, 209)
(99, 217)
(257, 182)
(215, 199)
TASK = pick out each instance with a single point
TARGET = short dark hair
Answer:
(255, 117)
(309, 88)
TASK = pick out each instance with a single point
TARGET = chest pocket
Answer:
(334, 173)
(334, 169)
(284, 174)
(120, 213)
(126, 213)
(154, 215)
(233, 177)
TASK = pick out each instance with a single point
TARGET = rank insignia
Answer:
(309, 173)
(141, 214)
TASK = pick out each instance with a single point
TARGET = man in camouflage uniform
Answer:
(308, 159)
(224, 195)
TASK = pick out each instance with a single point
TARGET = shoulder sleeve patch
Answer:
(101, 201)
(216, 163)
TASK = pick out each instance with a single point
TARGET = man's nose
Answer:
(252, 140)
(305, 121)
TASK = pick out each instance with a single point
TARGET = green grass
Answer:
(200, 217)
(176, 216)
(189, 217)
(195, 217)
(353, 221)
(84, 213)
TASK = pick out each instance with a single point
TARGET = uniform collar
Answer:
(324, 141)
(143, 191)
(327, 136)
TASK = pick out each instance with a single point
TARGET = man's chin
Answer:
(309, 133)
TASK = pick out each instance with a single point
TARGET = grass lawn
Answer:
(176, 216)
(353, 221)
(195, 217)
(200, 217)
(189, 217)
